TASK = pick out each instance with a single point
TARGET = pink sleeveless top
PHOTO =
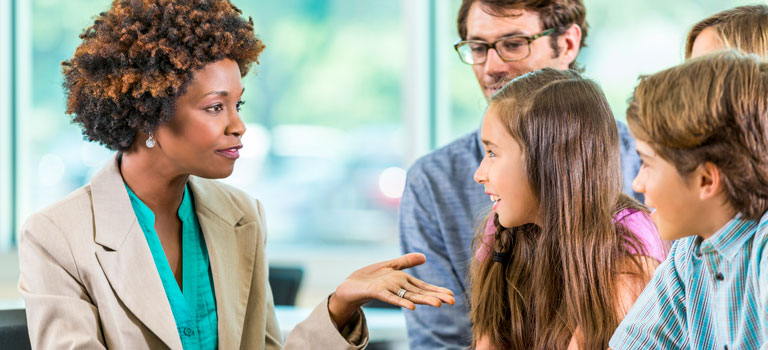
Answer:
(636, 221)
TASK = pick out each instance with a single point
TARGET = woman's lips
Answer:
(231, 153)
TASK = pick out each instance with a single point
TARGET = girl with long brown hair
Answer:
(564, 253)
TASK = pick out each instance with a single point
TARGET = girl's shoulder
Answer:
(640, 224)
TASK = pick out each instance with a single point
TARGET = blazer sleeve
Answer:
(60, 313)
(319, 332)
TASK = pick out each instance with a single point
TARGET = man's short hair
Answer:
(744, 28)
(557, 14)
(710, 109)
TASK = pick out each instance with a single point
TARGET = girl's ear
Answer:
(708, 180)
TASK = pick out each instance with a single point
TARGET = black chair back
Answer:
(13, 330)
(285, 282)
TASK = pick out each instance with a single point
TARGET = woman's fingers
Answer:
(417, 296)
(433, 290)
(390, 298)
(430, 296)
(406, 261)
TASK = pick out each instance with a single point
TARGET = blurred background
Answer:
(348, 93)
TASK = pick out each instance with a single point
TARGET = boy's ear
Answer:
(708, 180)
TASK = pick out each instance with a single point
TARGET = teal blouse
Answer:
(194, 309)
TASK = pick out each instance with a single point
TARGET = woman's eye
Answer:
(239, 105)
(215, 108)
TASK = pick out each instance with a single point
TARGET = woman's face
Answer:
(502, 173)
(203, 137)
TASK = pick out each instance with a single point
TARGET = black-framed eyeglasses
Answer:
(509, 48)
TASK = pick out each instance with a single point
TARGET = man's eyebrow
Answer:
(514, 32)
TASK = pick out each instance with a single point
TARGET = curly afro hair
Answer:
(138, 57)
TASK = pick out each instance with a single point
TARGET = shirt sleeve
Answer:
(630, 161)
(642, 226)
(657, 320)
(762, 287)
(447, 327)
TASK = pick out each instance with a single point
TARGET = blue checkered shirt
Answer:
(708, 294)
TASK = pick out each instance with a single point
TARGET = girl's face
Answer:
(503, 174)
(203, 138)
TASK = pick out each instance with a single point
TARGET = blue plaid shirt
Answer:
(439, 214)
(708, 294)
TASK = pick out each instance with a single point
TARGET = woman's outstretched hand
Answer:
(383, 281)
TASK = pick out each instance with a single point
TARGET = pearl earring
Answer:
(150, 142)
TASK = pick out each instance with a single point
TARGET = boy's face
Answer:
(673, 200)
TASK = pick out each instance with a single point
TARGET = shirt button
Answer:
(719, 276)
(187, 331)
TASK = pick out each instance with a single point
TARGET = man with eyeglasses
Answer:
(442, 206)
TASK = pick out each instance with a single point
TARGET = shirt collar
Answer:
(145, 215)
(729, 239)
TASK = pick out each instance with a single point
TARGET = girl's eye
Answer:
(490, 153)
(239, 105)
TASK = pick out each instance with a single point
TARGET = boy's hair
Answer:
(710, 109)
(559, 276)
(557, 14)
(744, 28)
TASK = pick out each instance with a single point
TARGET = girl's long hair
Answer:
(560, 276)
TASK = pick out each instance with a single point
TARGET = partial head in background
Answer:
(531, 34)
(744, 28)
(169, 70)
(702, 133)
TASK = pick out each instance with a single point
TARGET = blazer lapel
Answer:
(232, 250)
(126, 259)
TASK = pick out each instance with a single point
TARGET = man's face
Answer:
(494, 73)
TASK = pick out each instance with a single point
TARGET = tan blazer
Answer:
(89, 281)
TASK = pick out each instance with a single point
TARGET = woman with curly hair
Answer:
(153, 253)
